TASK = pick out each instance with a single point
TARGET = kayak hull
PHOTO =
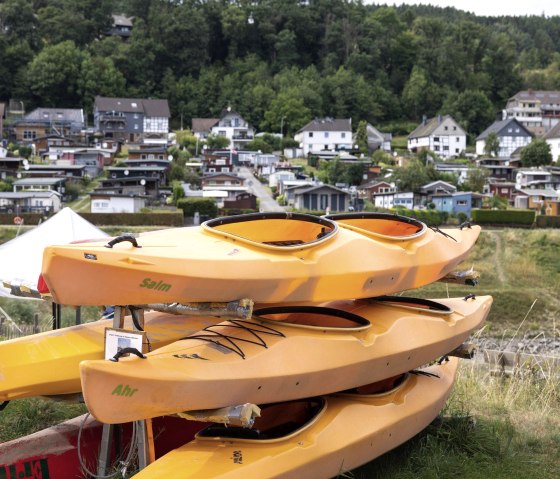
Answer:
(276, 361)
(220, 264)
(350, 431)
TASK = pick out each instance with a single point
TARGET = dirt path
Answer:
(499, 256)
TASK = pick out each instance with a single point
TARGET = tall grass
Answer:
(493, 426)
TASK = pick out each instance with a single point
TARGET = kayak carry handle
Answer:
(121, 238)
(124, 351)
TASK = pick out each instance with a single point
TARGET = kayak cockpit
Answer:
(312, 317)
(277, 422)
(274, 230)
(380, 225)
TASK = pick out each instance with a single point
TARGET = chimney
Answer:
(424, 119)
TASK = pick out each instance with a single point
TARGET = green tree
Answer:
(354, 174)
(362, 138)
(99, 76)
(536, 153)
(412, 176)
(492, 144)
(217, 141)
(53, 75)
(476, 179)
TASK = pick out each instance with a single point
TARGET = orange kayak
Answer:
(320, 438)
(267, 257)
(282, 353)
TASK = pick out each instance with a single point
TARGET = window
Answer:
(310, 134)
(461, 202)
(343, 135)
(454, 128)
(326, 134)
(457, 150)
(436, 139)
(136, 127)
(457, 139)
(29, 135)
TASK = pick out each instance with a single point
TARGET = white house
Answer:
(18, 202)
(114, 203)
(553, 140)
(442, 135)
(511, 136)
(325, 134)
(384, 200)
(530, 178)
(233, 126)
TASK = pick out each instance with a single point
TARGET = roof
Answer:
(39, 181)
(55, 167)
(28, 194)
(429, 126)
(498, 126)
(150, 107)
(203, 125)
(328, 124)
(318, 187)
(73, 115)
(549, 193)
(122, 20)
(544, 96)
(554, 132)
(229, 175)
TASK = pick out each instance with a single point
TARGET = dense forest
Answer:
(277, 61)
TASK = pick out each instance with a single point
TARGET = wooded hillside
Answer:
(277, 59)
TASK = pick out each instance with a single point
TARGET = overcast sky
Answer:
(489, 7)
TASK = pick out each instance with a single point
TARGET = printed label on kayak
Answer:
(123, 390)
(237, 457)
(26, 470)
(149, 283)
(189, 356)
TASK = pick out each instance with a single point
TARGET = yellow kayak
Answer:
(47, 364)
(319, 438)
(282, 353)
(267, 257)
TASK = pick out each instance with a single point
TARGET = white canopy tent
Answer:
(22, 257)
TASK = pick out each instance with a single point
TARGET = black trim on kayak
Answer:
(338, 313)
(412, 302)
(378, 216)
(3, 405)
(274, 215)
(437, 230)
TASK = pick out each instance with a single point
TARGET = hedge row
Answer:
(29, 219)
(135, 219)
(205, 207)
(548, 221)
(503, 217)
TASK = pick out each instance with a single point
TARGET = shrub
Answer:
(504, 217)
(204, 207)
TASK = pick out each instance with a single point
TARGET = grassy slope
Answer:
(517, 430)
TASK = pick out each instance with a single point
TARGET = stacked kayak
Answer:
(320, 437)
(268, 257)
(282, 353)
(327, 334)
